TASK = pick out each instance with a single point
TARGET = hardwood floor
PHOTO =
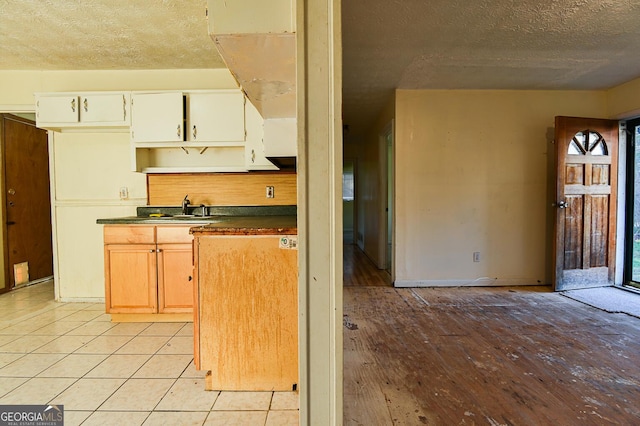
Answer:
(486, 356)
(359, 270)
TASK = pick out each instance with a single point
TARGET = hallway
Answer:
(360, 271)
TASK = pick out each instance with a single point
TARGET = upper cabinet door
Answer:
(105, 108)
(57, 109)
(157, 117)
(216, 117)
(91, 110)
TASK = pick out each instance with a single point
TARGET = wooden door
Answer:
(130, 278)
(175, 278)
(585, 228)
(27, 200)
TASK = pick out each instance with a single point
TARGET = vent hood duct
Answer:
(256, 39)
(264, 66)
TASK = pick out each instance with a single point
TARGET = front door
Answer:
(585, 228)
(27, 209)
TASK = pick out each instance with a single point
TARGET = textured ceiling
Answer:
(387, 44)
(105, 35)
(483, 44)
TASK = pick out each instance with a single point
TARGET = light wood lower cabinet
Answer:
(175, 278)
(131, 278)
(246, 322)
(148, 269)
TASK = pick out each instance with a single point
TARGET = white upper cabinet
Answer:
(254, 147)
(57, 109)
(157, 117)
(216, 116)
(200, 118)
(61, 111)
(107, 108)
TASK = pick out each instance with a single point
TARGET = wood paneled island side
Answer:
(246, 303)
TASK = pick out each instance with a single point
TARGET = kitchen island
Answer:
(246, 303)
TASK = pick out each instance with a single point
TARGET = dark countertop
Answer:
(235, 220)
(169, 220)
(250, 225)
(252, 216)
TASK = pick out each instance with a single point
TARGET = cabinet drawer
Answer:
(173, 234)
(116, 234)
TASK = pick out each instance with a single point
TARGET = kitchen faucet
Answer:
(185, 204)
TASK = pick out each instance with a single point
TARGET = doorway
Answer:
(348, 200)
(632, 240)
(26, 202)
(586, 193)
(388, 172)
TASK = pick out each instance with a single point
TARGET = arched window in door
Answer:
(588, 141)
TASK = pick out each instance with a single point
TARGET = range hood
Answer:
(256, 39)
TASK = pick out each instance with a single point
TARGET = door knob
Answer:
(562, 204)
(11, 191)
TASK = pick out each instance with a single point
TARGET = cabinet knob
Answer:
(73, 105)
(179, 131)
(190, 278)
(85, 103)
(152, 251)
(194, 132)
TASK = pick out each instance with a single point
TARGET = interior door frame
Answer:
(353, 161)
(26, 118)
(387, 206)
(629, 187)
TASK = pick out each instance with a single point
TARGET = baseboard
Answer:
(81, 300)
(477, 282)
(174, 317)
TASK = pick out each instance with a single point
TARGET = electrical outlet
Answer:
(270, 193)
(124, 193)
(476, 256)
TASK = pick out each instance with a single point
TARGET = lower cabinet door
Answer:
(175, 278)
(131, 278)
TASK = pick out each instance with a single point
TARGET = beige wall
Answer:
(624, 100)
(17, 87)
(472, 176)
(88, 168)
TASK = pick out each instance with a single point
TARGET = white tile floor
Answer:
(108, 373)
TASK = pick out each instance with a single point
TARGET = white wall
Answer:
(472, 175)
(88, 168)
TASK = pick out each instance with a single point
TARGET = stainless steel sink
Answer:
(189, 218)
